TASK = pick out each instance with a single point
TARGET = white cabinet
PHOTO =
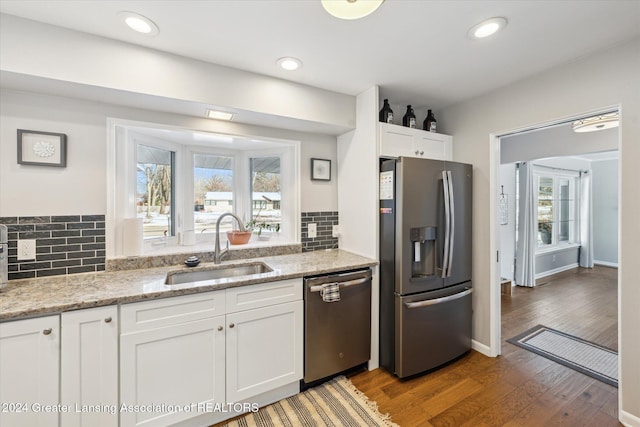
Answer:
(89, 367)
(172, 353)
(264, 349)
(215, 347)
(29, 371)
(396, 141)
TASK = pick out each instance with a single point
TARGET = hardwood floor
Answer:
(519, 388)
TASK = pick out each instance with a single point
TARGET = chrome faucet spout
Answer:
(218, 254)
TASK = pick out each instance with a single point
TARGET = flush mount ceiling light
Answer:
(218, 115)
(487, 28)
(592, 124)
(289, 64)
(351, 9)
(139, 23)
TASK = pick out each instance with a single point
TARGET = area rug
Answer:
(584, 356)
(335, 403)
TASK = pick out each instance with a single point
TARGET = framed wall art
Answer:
(321, 169)
(42, 148)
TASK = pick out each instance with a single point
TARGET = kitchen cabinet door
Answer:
(431, 145)
(89, 367)
(177, 366)
(264, 349)
(396, 141)
(29, 369)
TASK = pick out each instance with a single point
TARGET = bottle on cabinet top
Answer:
(429, 123)
(386, 114)
(409, 119)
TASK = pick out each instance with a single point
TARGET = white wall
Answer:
(80, 188)
(508, 231)
(603, 80)
(34, 49)
(605, 211)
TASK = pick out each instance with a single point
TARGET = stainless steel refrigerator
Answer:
(425, 263)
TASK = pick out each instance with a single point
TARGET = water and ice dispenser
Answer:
(423, 241)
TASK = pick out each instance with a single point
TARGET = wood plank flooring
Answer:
(519, 388)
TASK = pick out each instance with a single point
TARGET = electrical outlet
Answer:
(312, 230)
(335, 231)
(26, 249)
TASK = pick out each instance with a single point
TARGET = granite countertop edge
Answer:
(28, 298)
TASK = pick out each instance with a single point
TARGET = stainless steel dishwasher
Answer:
(337, 334)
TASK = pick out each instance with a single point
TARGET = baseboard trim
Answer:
(606, 263)
(557, 270)
(628, 419)
(481, 348)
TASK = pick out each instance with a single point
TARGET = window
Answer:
(181, 182)
(557, 207)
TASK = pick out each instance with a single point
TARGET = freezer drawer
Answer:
(432, 328)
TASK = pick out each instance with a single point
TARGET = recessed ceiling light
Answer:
(289, 64)
(351, 9)
(218, 115)
(487, 28)
(601, 122)
(139, 23)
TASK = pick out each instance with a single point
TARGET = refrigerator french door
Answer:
(425, 263)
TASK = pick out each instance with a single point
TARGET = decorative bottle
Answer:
(409, 119)
(386, 114)
(429, 123)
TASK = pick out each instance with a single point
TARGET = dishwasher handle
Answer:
(429, 302)
(318, 288)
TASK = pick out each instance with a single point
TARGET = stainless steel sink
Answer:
(222, 272)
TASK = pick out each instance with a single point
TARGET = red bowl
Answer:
(237, 237)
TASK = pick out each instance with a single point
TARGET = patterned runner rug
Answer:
(335, 403)
(584, 356)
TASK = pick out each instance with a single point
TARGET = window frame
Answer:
(122, 139)
(574, 182)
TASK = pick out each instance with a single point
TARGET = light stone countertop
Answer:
(52, 295)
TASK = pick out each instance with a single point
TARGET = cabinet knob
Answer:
(107, 320)
(416, 152)
(220, 328)
(47, 331)
(231, 325)
(421, 153)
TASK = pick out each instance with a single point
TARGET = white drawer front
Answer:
(146, 315)
(263, 295)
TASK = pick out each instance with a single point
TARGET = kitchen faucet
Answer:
(218, 254)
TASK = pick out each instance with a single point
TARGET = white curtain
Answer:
(527, 234)
(586, 221)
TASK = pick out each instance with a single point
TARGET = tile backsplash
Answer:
(324, 229)
(64, 244)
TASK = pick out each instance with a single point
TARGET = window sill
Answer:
(557, 248)
(209, 244)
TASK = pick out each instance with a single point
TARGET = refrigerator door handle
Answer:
(447, 223)
(452, 212)
(428, 302)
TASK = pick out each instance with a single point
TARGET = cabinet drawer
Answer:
(146, 315)
(263, 295)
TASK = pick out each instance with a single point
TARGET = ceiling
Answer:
(418, 52)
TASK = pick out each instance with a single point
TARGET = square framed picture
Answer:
(321, 169)
(42, 148)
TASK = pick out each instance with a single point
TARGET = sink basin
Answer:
(222, 272)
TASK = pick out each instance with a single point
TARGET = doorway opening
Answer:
(556, 215)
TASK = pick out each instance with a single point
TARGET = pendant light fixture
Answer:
(600, 122)
(351, 9)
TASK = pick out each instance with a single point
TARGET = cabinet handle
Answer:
(220, 328)
(47, 331)
(231, 325)
(107, 320)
